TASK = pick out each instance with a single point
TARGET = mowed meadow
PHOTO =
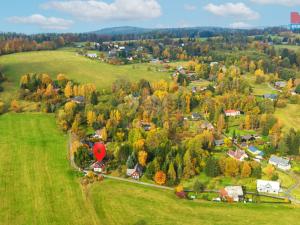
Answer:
(37, 185)
(76, 67)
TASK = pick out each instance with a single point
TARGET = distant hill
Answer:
(122, 30)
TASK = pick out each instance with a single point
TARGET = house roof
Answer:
(238, 154)
(248, 137)
(219, 142)
(234, 191)
(271, 96)
(275, 185)
(231, 111)
(279, 160)
(78, 99)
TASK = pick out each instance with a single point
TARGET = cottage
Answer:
(207, 126)
(232, 192)
(280, 163)
(212, 64)
(146, 126)
(267, 186)
(239, 154)
(92, 55)
(219, 142)
(272, 97)
(98, 167)
(247, 138)
(231, 112)
(136, 172)
(78, 99)
(280, 84)
(196, 116)
(255, 152)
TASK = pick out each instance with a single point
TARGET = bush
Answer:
(2, 107)
(281, 103)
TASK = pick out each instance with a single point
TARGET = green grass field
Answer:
(128, 204)
(289, 116)
(74, 66)
(37, 186)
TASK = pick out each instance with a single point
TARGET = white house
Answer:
(232, 112)
(92, 55)
(280, 163)
(267, 186)
(234, 192)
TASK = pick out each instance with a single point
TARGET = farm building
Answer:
(267, 186)
(235, 193)
(239, 154)
(232, 112)
(280, 163)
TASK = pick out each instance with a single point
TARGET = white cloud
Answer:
(98, 10)
(189, 7)
(278, 2)
(52, 23)
(240, 25)
(237, 10)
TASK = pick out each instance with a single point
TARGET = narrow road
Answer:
(293, 187)
(138, 182)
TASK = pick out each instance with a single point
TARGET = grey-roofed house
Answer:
(248, 137)
(280, 84)
(196, 116)
(280, 163)
(219, 142)
(78, 99)
(272, 97)
(207, 126)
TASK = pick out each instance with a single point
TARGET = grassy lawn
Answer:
(73, 66)
(37, 186)
(259, 89)
(289, 116)
(129, 204)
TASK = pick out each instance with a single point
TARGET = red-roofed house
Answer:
(232, 112)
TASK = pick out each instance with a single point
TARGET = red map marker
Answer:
(99, 151)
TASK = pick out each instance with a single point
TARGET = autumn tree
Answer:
(91, 118)
(220, 123)
(246, 170)
(160, 177)
(15, 106)
(231, 167)
(171, 174)
(68, 91)
(189, 169)
(142, 156)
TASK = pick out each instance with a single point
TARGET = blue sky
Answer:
(35, 16)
